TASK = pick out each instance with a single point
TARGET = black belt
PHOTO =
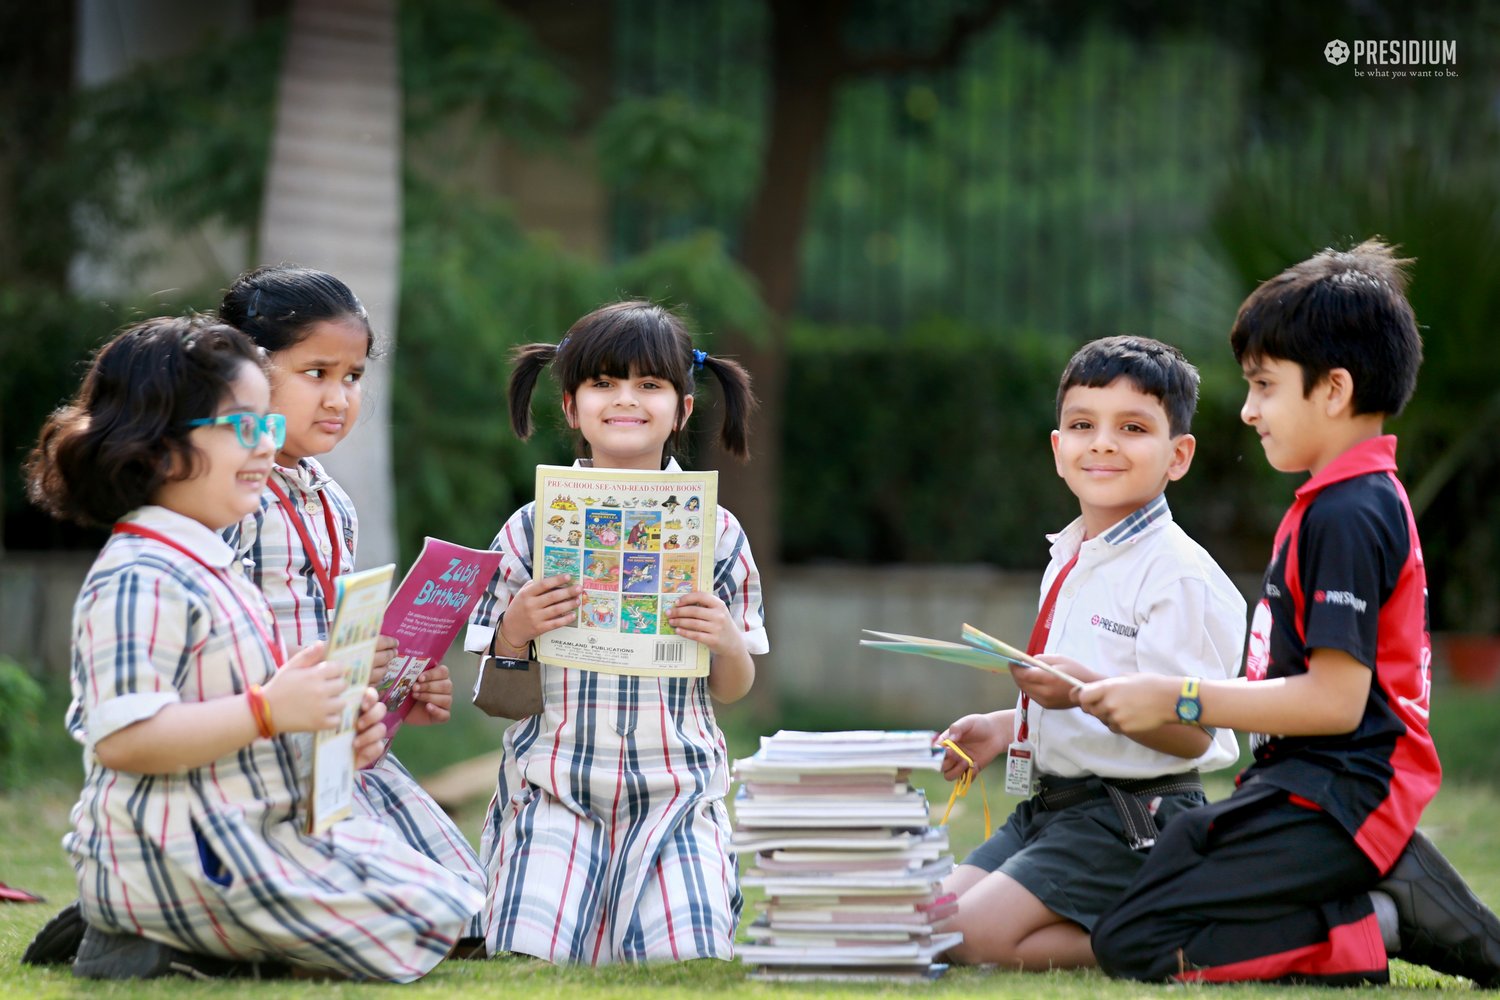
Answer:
(1129, 795)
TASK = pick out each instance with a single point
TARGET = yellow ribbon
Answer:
(961, 787)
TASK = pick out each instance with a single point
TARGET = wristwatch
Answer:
(1189, 708)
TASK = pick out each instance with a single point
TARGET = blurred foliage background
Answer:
(1062, 171)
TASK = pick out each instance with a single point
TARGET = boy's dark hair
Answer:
(1338, 309)
(110, 449)
(631, 336)
(276, 306)
(1155, 368)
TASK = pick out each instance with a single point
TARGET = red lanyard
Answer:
(1039, 633)
(325, 574)
(271, 638)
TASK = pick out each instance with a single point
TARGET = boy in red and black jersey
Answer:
(1313, 869)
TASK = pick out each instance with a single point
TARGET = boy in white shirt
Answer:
(1127, 591)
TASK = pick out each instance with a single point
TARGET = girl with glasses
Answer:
(187, 837)
(303, 532)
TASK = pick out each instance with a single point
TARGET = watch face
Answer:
(1188, 709)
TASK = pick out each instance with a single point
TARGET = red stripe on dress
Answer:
(371, 937)
(1351, 949)
(666, 906)
(114, 862)
(511, 544)
(151, 643)
(567, 881)
(88, 630)
(552, 768)
(614, 828)
(213, 920)
(661, 703)
(231, 616)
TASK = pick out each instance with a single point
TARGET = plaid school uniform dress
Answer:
(608, 839)
(278, 564)
(212, 859)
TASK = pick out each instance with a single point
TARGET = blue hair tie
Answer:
(699, 357)
(563, 344)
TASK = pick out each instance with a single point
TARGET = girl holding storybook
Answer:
(188, 836)
(608, 838)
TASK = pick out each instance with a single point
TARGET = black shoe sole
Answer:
(58, 941)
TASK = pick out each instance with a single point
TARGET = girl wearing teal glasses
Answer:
(249, 428)
(187, 838)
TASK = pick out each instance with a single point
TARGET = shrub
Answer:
(21, 700)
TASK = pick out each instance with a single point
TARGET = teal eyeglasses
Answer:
(249, 427)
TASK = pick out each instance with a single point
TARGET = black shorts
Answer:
(1078, 860)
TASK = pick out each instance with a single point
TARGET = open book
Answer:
(978, 649)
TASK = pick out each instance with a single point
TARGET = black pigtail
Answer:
(529, 360)
(739, 403)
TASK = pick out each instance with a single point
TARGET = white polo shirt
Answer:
(1143, 598)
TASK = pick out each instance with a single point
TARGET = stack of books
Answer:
(833, 831)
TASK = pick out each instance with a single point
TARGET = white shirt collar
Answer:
(192, 535)
(307, 475)
(1146, 518)
(588, 463)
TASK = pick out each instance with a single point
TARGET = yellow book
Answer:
(351, 643)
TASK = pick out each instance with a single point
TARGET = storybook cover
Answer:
(425, 615)
(351, 642)
(636, 542)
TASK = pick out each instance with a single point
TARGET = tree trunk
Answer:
(802, 88)
(803, 78)
(333, 202)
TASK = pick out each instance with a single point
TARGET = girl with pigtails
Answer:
(608, 840)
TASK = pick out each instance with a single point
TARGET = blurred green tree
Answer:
(1363, 172)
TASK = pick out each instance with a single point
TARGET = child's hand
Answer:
(539, 607)
(369, 730)
(1047, 690)
(432, 697)
(983, 737)
(307, 693)
(385, 652)
(1138, 703)
(702, 617)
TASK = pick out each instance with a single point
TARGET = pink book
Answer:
(433, 602)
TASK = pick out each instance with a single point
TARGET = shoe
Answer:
(1444, 926)
(102, 955)
(58, 940)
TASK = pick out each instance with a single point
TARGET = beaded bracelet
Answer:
(260, 708)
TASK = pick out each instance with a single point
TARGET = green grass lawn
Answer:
(1464, 821)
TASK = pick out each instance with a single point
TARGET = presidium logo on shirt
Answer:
(1340, 597)
(1128, 631)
